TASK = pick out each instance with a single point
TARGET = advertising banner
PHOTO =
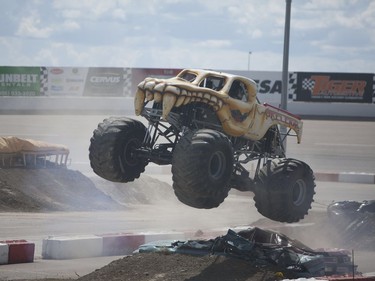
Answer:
(334, 87)
(108, 82)
(139, 74)
(20, 81)
(66, 81)
(269, 84)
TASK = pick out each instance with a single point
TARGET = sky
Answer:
(325, 35)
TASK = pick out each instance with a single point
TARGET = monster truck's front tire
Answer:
(112, 146)
(285, 190)
(202, 166)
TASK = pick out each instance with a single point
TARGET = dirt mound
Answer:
(144, 190)
(60, 189)
(33, 190)
(175, 267)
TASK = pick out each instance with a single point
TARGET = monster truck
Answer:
(216, 135)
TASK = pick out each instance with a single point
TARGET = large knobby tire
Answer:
(111, 149)
(202, 165)
(285, 190)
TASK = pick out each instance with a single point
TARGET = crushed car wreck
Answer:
(355, 221)
(264, 249)
(208, 126)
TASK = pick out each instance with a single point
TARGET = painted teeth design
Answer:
(169, 101)
(187, 100)
(180, 101)
(172, 95)
(207, 96)
(158, 97)
(149, 95)
(139, 101)
(158, 87)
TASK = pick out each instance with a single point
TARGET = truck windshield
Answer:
(212, 82)
(188, 76)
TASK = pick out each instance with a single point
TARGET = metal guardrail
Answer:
(34, 159)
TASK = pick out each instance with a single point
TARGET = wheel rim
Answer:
(129, 158)
(299, 192)
(217, 165)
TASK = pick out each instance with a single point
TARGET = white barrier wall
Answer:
(4, 251)
(105, 90)
(125, 106)
(75, 247)
(68, 105)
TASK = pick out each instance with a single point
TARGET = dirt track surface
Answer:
(176, 267)
(37, 190)
(171, 267)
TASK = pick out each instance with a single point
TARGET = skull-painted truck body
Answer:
(210, 127)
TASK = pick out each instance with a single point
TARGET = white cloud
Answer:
(180, 33)
(368, 15)
(263, 15)
(70, 25)
(71, 14)
(85, 9)
(30, 26)
(119, 14)
(213, 44)
(256, 33)
(333, 14)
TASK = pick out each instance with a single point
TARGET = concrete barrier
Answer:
(125, 105)
(121, 243)
(73, 247)
(156, 236)
(332, 110)
(16, 251)
(356, 178)
(4, 252)
(112, 244)
(348, 177)
(65, 105)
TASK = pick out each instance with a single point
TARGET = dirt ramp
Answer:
(51, 190)
(60, 189)
(144, 190)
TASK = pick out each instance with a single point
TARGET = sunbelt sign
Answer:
(20, 81)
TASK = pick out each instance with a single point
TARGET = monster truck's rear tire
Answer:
(285, 190)
(111, 149)
(202, 166)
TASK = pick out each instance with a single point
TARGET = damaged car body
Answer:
(355, 221)
(265, 249)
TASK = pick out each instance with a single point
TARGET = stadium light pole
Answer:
(248, 61)
(284, 93)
